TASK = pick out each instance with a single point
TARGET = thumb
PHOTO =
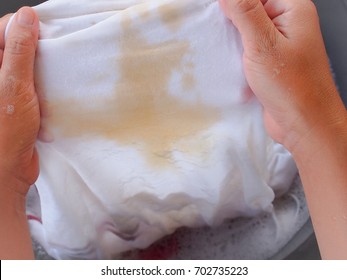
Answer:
(251, 19)
(20, 45)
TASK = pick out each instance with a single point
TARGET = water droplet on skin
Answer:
(10, 109)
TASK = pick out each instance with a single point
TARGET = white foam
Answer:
(261, 237)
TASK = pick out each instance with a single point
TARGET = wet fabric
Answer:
(148, 126)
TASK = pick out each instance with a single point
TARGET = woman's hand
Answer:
(287, 67)
(19, 107)
(19, 125)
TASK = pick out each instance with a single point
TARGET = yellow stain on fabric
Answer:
(171, 14)
(141, 113)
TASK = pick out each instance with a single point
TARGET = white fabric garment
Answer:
(151, 123)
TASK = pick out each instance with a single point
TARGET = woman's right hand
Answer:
(287, 67)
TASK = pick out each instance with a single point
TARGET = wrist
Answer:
(15, 242)
(320, 117)
(325, 137)
(12, 203)
(12, 187)
(19, 174)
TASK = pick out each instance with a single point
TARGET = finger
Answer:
(3, 23)
(251, 19)
(273, 8)
(20, 45)
(1, 55)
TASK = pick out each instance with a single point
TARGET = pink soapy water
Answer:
(160, 250)
(34, 218)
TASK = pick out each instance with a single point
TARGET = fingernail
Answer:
(25, 17)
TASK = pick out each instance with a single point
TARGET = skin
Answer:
(19, 122)
(287, 68)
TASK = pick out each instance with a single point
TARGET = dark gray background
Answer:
(10, 6)
(333, 17)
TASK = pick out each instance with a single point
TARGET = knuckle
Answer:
(4, 20)
(20, 45)
(6, 17)
(306, 9)
(310, 6)
(312, 10)
(246, 6)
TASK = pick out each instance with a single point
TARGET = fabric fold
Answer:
(151, 123)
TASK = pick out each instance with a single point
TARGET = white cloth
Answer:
(152, 123)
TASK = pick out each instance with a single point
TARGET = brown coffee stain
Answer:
(141, 113)
(188, 81)
(143, 11)
(171, 14)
